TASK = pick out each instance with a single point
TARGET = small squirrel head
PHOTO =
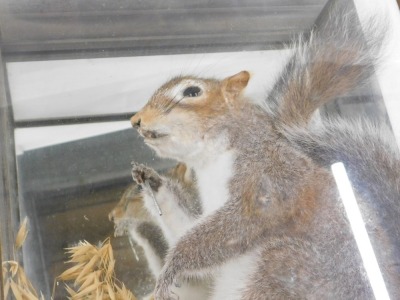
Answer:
(130, 207)
(179, 116)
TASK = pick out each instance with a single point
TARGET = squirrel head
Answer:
(130, 206)
(179, 116)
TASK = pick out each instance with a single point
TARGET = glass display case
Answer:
(72, 73)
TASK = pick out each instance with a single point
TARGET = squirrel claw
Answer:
(162, 290)
(141, 174)
(165, 294)
(137, 173)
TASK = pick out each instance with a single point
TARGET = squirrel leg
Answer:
(219, 237)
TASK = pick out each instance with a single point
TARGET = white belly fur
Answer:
(213, 182)
(154, 261)
(174, 222)
(233, 276)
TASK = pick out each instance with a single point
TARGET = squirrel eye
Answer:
(192, 91)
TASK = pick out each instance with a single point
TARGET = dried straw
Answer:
(92, 275)
(16, 282)
(22, 234)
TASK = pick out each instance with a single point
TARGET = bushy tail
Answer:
(329, 61)
(372, 161)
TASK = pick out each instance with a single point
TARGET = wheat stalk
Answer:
(92, 275)
(15, 280)
(21, 235)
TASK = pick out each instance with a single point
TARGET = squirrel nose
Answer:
(111, 216)
(135, 122)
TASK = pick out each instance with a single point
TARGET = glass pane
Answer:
(76, 72)
(120, 85)
(67, 188)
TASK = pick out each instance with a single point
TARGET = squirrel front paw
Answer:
(163, 291)
(142, 174)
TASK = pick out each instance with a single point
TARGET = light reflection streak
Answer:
(360, 233)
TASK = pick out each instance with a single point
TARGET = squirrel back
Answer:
(334, 59)
(372, 160)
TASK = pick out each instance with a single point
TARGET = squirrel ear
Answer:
(232, 86)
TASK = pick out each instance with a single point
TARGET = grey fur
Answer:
(185, 194)
(282, 197)
(152, 233)
(328, 61)
(372, 161)
(187, 197)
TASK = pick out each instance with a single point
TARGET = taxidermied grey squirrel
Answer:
(130, 216)
(273, 224)
(136, 214)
